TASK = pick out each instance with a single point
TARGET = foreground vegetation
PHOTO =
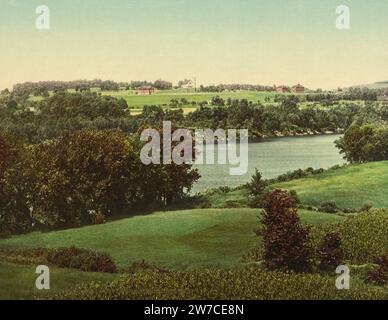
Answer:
(208, 245)
(238, 284)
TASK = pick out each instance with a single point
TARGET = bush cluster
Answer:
(297, 174)
(75, 258)
(363, 236)
(85, 260)
(329, 207)
(379, 274)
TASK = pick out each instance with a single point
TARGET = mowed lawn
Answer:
(349, 187)
(176, 240)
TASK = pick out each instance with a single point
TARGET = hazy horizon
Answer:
(198, 84)
(217, 41)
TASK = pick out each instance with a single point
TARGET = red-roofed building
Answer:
(146, 91)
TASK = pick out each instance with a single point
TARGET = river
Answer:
(274, 157)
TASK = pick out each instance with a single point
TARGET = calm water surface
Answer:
(274, 157)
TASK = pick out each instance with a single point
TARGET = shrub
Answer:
(85, 260)
(366, 207)
(286, 242)
(363, 236)
(379, 274)
(225, 189)
(64, 256)
(93, 262)
(257, 185)
(331, 253)
(329, 207)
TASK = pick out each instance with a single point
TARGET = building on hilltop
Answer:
(298, 88)
(188, 84)
(283, 89)
(146, 91)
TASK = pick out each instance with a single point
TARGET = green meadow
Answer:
(177, 240)
(17, 282)
(349, 187)
(164, 97)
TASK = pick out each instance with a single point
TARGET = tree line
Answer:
(63, 113)
(43, 88)
(72, 180)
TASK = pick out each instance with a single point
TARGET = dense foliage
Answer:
(42, 88)
(364, 143)
(60, 113)
(84, 173)
(72, 180)
(15, 186)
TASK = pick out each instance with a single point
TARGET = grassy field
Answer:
(349, 187)
(18, 281)
(177, 240)
(164, 97)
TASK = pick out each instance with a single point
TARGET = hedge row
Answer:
(75, 258)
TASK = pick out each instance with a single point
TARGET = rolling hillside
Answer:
(349, 187)
(177, 240)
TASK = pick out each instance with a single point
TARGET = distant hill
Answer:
(376, 85)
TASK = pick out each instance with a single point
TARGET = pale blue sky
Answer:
(218, 41)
